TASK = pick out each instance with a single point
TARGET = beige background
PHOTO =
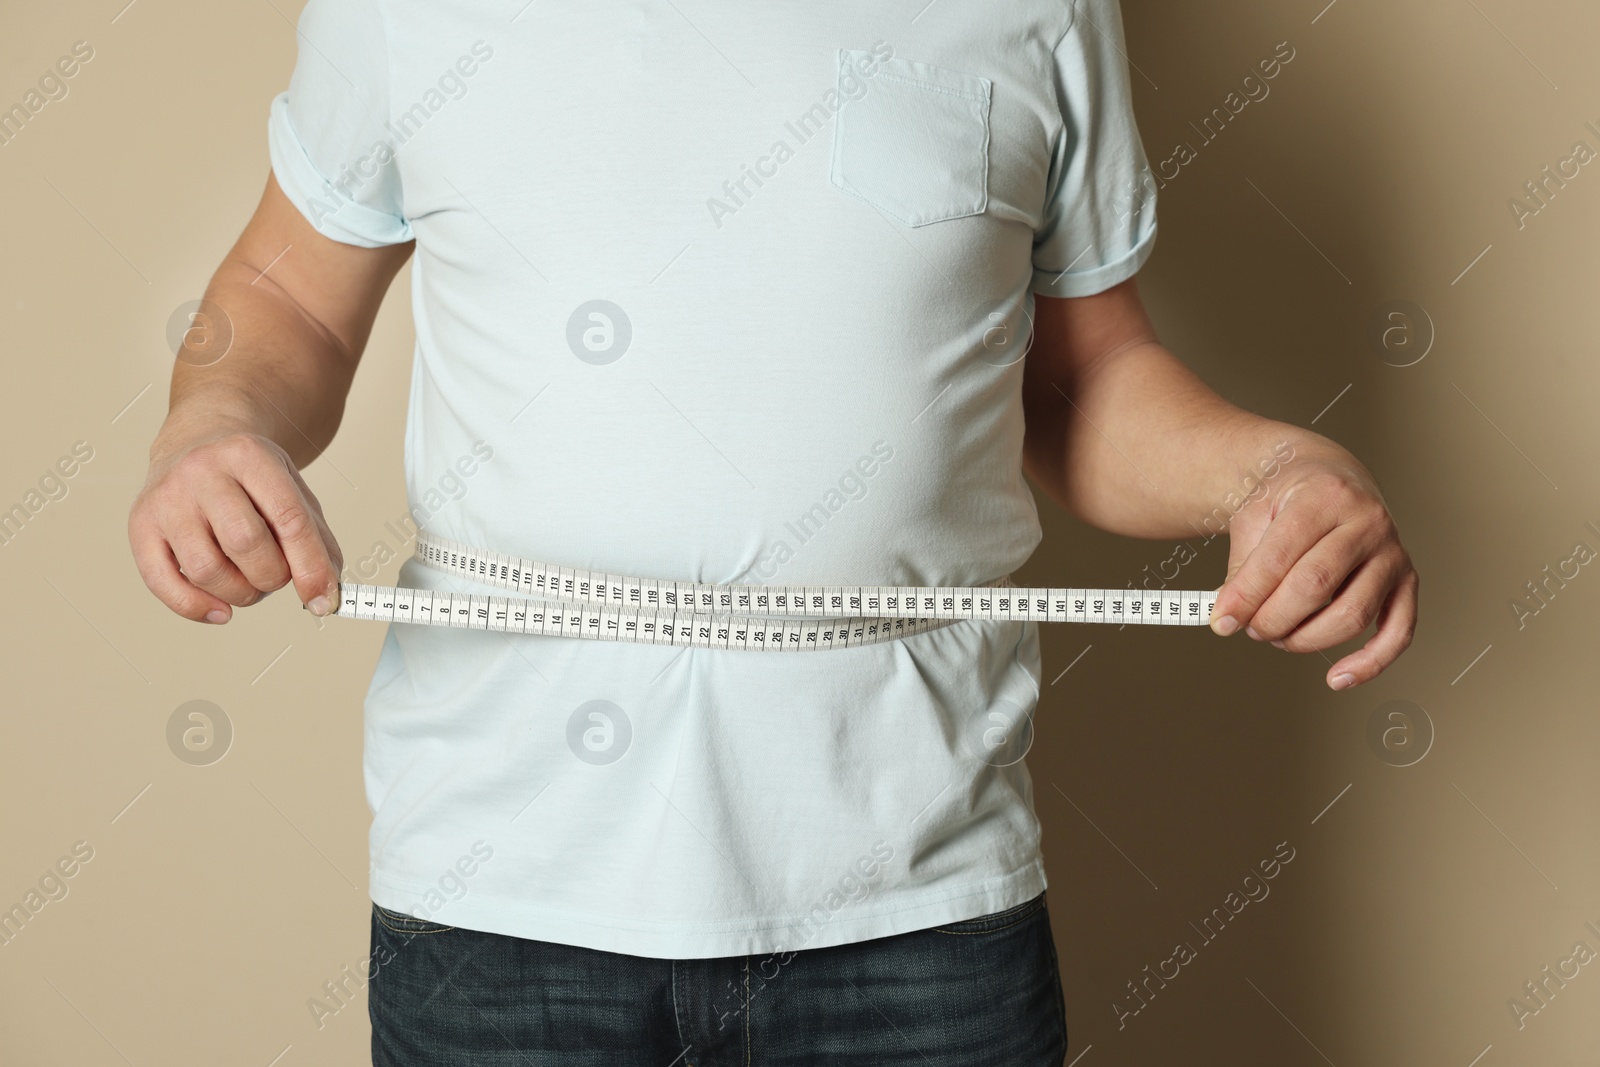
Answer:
(219, 898)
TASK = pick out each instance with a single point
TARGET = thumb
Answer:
(1245, 531)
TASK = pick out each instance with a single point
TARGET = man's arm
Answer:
(224, 517)
(1126, 438)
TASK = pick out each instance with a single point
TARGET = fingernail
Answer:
(1225, 625)
(1343, 681)
(1251, 630)
(216, 615)
(1277, 644)
(318, 605)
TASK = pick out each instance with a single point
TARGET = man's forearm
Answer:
(284, 376)
(1140, 446)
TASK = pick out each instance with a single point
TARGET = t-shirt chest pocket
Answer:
(912, 139)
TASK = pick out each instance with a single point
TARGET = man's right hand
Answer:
(225, 520)
(224, 517)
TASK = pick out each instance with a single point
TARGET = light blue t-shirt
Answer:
(721, 292)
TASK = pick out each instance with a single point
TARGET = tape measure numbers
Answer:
(595, 605)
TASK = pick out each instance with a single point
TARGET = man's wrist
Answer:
(1257, 442)
(194, 425)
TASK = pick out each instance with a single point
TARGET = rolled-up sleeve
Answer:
(1099, 219)
(327, 134)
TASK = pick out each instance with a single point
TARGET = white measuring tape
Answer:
(599, 606)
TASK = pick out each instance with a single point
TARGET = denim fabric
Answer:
(969, 994)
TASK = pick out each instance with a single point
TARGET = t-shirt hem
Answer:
(714, 938)
(1097, 279)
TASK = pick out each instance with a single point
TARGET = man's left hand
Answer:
(1314, 561)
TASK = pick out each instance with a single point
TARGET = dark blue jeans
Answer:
(973, 993)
